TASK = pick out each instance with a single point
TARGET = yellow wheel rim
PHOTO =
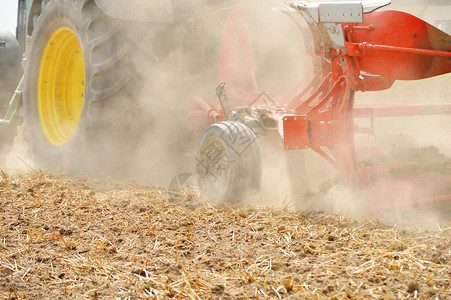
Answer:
(61, 86)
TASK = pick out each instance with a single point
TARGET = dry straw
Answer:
(71, 237)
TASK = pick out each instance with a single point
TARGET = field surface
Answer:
(66, 238)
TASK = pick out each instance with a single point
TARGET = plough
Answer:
(356, 47)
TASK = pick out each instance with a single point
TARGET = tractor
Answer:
(84, 61)
(84, 64)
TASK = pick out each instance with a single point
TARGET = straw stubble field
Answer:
(78, 238)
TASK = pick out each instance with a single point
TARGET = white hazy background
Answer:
(8, 15)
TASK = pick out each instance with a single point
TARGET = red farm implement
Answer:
(355, 48)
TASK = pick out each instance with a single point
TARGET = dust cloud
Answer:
(187, 65)
(178, 60)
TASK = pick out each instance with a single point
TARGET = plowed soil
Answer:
(66, 238)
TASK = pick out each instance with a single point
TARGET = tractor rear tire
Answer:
(228, 163)
(79, 108)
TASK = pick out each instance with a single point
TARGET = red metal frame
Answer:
(398, 45)
(390, 45)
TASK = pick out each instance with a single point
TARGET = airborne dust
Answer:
(183, 62)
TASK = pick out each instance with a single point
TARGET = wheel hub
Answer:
(61, 86)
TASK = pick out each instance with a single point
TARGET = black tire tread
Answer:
(107, 51)
(247, 165)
